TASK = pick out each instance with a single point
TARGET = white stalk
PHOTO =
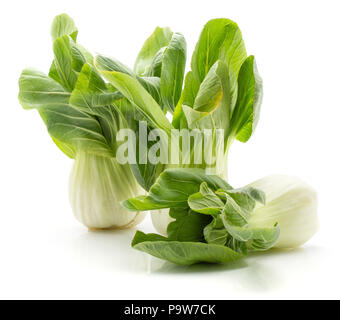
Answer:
(97, 186)
(290, 202)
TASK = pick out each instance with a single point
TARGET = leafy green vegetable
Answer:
(83, 115)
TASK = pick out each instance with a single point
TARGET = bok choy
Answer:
(83, 115)
(209, 221)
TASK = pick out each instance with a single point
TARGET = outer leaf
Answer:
(208, 47)
(172, 72)
(188, 225)
(205, 201)
(183, 253)
(38, 90)
(75, 128)
(159, 39)
(233, 54)
(247, 109)
(63, 25)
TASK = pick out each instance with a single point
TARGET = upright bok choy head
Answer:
(83, 115)
(223, 90)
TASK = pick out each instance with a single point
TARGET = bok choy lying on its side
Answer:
(212, 222)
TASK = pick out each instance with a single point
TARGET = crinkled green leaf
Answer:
(236, 214)
(215, 232)
(205, 201)
(258, 239)
(245, 197)
(188, 225)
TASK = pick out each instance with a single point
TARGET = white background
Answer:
(46, 253)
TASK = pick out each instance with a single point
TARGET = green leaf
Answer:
(233, 54)
(91, 95)
(188, 225)
(145, 172)
(155, 68)
(63, 62)
(264, 238)
(183, 253)
(75, 128)
(236, 214)
(174, 186)
(215, 232)
(245, 197)
(191, 87)
(158, 39)
(38, 90)
(258, 239)
(208, 47)
(172, 72)
(90, 90)
(210, 92)
(205, 201)
(213, 91)
(63, 25)
(150, 84)
(246, 114)
(141, 203)
(139, 97)
(64, 147)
